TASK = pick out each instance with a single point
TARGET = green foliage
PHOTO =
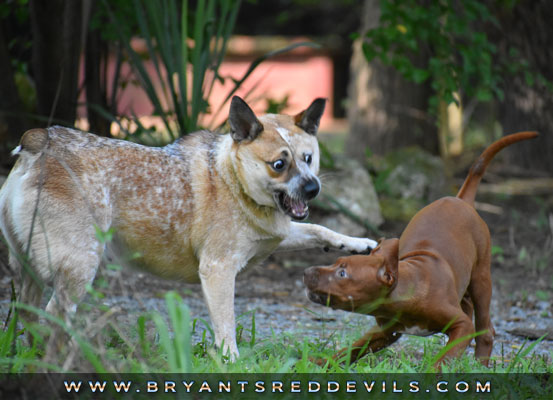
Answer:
(185, 47)
(460, 56)
(498, 253)
(17, 9)
(164, 345)
(176, 349)
(122, 11)
(185, 71)
(275, 106)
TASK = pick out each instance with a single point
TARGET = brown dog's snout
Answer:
(311, 277)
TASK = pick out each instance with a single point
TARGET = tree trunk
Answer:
(385, 111)
(529, 107)
(12, 124)
(56, 27)
(96, 80)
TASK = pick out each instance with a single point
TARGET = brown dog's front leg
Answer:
(374, 340)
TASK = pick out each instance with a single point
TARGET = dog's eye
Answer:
(342, 273)
(278, 165)
(308, 158)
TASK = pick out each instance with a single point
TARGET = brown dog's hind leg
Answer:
(460, 335)
(467, 305)
(481, 293)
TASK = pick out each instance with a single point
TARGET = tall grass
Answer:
(163, 345)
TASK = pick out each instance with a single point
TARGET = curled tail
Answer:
(468, 190)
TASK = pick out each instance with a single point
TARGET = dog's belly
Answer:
(174, 256)
(163, 258)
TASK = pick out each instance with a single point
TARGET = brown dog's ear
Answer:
(244, 125)
(387, 273)
(309, 119)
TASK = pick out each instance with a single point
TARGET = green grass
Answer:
(156, 345)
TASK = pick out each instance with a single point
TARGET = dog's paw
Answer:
(359, 246)
(321, 362)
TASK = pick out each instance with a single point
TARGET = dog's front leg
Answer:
(374, 340)
(218, 279)
(302, 236)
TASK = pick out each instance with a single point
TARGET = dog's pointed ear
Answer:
(388, 272)
(309, 119)
(244, 125)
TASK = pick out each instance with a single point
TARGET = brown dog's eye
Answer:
(342, 273)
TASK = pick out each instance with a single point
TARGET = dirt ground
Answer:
(522, 277)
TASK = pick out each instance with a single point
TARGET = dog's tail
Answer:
(33, 141)
(469, 188)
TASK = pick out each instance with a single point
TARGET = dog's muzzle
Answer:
(311, 277)
(296, 206)
(311, 189)
(319, 298)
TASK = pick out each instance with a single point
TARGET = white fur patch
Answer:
(284, 134)
(417, 331)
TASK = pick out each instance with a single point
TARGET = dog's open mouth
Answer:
(296, 208)
(320, 298)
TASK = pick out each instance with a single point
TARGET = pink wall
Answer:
(302, 75)
(302, 79)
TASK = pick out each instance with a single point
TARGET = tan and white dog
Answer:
(200, 209)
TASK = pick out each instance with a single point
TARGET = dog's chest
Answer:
(417, 331)
(262, 248)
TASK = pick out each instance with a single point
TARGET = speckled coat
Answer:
(199, 209)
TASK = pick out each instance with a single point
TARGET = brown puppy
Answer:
(425, 282)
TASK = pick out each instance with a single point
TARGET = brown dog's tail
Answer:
(468, 190)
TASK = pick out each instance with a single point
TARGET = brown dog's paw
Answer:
(321, 362)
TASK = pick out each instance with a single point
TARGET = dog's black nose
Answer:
(311, 189)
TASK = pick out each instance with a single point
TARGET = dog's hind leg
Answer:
(76, 271)
(467, 306)
(460, 332)
(70, 282)
(31, 289)
(480, 289)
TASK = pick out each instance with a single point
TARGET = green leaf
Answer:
(420, 75)
(542, 295)
(497, 250)
(368, 51)
(529, 78)
(484, 94)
